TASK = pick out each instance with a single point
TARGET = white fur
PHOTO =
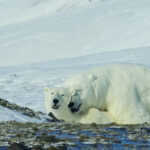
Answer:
(64, 113)
(123, 90)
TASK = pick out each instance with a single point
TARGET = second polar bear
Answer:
(123, 90)
(56, 102)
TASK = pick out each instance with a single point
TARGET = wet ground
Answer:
(60, 135)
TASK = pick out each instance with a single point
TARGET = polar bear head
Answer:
(56, 101)
(55, 97)
(82, 92)
(79, 102)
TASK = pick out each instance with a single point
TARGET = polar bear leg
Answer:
(96, 116)
(130, 113)
(126, 105)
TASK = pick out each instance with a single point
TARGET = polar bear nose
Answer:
(55, 101)
(71, 104)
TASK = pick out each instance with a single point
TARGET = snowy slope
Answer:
(7, 114)
(17, 11)
(42, 42)
(37, 31)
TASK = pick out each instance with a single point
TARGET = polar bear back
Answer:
(114, 76)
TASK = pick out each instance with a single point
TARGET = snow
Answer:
(43, 42)
(83, 29)
(7, 114)
(18, 11)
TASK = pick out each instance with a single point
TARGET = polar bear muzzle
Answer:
(74, 108)
(55, 104)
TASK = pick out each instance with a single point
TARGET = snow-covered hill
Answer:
(42, 30)
(42, 42)
(16, 11)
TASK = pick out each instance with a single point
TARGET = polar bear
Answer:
(56, 101)
(122, 90)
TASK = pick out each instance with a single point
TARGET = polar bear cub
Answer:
(56, 101)
(122, 90)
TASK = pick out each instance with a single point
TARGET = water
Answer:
(3, 148)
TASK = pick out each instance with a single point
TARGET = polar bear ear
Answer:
(92, 77)
(46, 89)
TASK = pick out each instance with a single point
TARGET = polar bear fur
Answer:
(123, 90)
(93, 115)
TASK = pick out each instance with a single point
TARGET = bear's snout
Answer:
(55, 104)
(71, 105)
(55, 101)
(73, 108)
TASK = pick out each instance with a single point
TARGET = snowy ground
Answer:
(42, 42)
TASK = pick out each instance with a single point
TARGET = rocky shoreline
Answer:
(60, 135)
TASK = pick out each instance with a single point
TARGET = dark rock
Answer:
(44, 138)
(53, 117)
(52, 148)
(62, 147)
(37, 147)
(16, 146)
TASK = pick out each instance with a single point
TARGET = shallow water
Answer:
(75, 136)
(3, 148)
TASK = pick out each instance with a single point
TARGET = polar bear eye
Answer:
(62, 94)
(52, 93)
